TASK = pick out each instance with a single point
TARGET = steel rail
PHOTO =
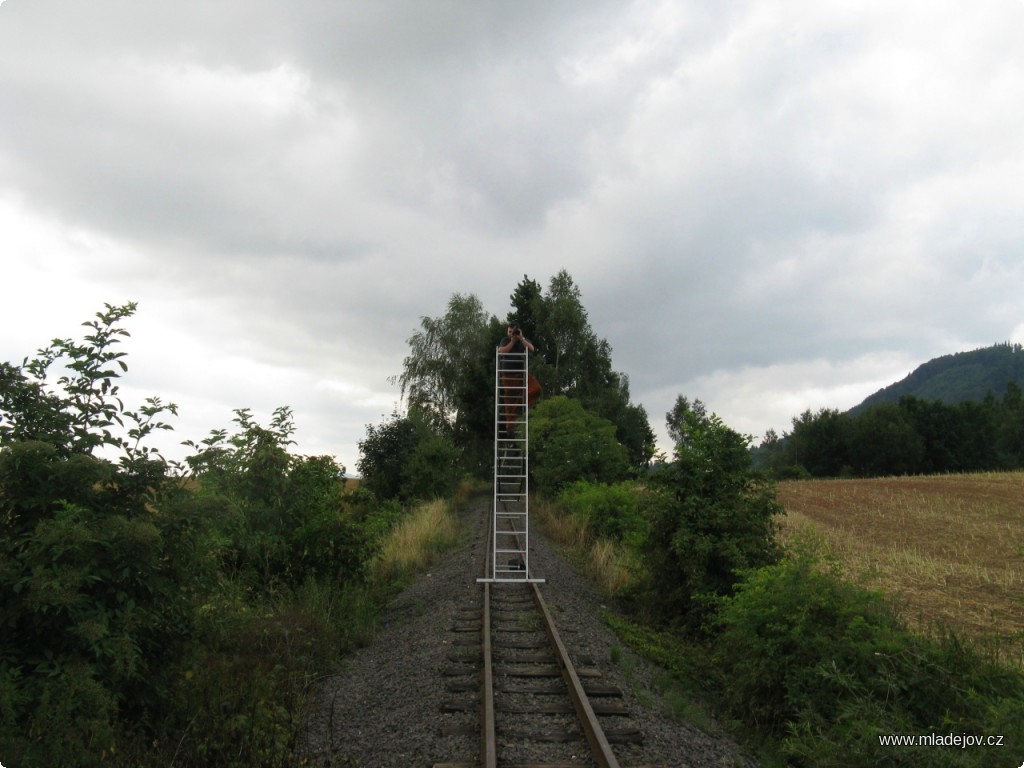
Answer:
(600, 748)
(488, 736)
(488, 732)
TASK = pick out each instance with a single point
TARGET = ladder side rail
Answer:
(495, 500)
(525, 460)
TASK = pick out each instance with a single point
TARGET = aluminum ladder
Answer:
(510, 507)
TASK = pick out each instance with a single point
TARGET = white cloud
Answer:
(768, 206)
(754, 399)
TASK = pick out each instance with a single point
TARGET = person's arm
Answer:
(506, 345)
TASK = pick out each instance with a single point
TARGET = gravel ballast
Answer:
(384, 708)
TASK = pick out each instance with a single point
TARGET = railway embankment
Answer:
(389, 705)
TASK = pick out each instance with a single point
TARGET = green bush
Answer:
(826, 667)
(786, 629)
(406, 459)
(281, 518)
(568, 443)
(431, 471)
(791, 472)
(98, 604)
(152, 619)
(715, 518)
(610, 511)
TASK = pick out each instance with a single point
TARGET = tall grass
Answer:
(610, 564)
(417, 542)
(250, 689)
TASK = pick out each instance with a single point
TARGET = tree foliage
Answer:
(821, 441)
(717, 519)
(573, 361)
(405, 458)
(448, 374)
(120, 576)
(440, 375)
(447, 378)
(912, 436)
(530, 310)
(957, 378)
(99, 565)
(82, 411)
(569, 444)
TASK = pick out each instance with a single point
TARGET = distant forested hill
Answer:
(953, 379)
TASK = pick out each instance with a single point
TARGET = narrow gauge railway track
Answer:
(411, 697)
(511, 675)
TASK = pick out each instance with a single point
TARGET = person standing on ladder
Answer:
(512, 367)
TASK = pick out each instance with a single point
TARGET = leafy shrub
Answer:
(791, 472)
(282, 518)
(715, 518)
(826, 667)
(405, 459)
(97, 607)
(568, 443)
(98, 567)
(150, 619)
(786, 628)
(432, 469)
(609, 511)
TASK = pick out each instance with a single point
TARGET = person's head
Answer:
(514, 330)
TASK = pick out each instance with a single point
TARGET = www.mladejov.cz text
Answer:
(961, 740)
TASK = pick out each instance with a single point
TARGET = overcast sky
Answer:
(770, 206)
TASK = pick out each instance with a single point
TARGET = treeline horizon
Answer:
(912, 436)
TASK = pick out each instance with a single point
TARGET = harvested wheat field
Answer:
(949, 547)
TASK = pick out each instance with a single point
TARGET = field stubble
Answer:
(950, 548)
